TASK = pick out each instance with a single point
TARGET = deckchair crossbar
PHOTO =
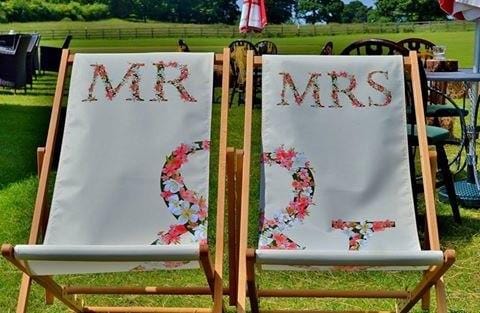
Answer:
(99, 253)
(312, 293)
(146, 310)
(341, 258)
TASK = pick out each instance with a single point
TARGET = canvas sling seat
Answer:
(131, 190)
(335, 190)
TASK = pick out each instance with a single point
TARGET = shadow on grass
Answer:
(22, 130)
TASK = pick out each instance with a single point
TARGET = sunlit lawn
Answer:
(23, 125)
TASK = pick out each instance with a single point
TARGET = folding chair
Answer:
(131, 191)
(336, 191)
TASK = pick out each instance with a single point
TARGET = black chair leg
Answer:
(448, 180)
(234, 88)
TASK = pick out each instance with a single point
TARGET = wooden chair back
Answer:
(374, 47)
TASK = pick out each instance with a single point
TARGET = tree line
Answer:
(220, 11)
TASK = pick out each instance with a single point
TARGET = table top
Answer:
(461, 75)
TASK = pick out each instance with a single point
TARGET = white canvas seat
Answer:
(336, 191)
(131, 190)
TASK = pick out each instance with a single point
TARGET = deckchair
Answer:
(131, 190)
(336, 191)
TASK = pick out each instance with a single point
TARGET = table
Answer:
(467, 190)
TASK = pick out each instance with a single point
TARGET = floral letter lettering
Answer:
(188, 207)
(110, 92)
(312, 84)
(303, 185)
(347, 91)
(160, 92)
(378, 87)
(358, 232)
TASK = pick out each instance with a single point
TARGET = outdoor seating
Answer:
(437, 136)
(327, 49)
(422, 46)
(347, 161)
(238, 50)
(13, 64)
(50, 56)
(182, 46)
(374, 47)
(439, 107)
(266, 47)
(115, 208)
(32, 58)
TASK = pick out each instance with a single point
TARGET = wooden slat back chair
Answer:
(238, 51)
(266, 47)
(114, 136)
(327, 49)
(422, 46)
(323, 205)
(374, 47)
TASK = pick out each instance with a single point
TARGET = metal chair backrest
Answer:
(327, 49)
(266, 47)
(374, 47)
(422, 46)
(238, 60)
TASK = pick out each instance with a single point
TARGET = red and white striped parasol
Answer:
(254, 16)
(466, 10)
(462, 9)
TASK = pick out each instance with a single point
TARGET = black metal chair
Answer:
(266, 47)
(182, 46)
(422, 46)
(13, 64)
(439, 105)
(327, 49)
(437, 136)
(238, 66)
(50, 56)
(374, 47)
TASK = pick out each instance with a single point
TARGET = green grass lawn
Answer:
(459, 44)
(23, 126)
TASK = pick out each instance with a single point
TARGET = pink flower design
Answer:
(303, 188)
(189, 208)
(359, 232)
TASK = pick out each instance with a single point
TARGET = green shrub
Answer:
(38, 10)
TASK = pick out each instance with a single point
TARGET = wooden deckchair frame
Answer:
(406, 299)
(68, 295)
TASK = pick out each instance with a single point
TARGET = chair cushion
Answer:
(442, 110)
(435, 135)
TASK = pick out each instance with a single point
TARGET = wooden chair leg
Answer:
(207, 266)
(430, 279)
(448, 179)
(232, 238)
(22, 301)
(40, 155)
(441, 296)
(251, 285)
(44, 281)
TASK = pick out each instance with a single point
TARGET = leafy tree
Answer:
(320, 10)
(355, 12)
(279, 11)
(409, 10)
(121, 8)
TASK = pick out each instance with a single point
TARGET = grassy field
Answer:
(459, 44)
(23, 125)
